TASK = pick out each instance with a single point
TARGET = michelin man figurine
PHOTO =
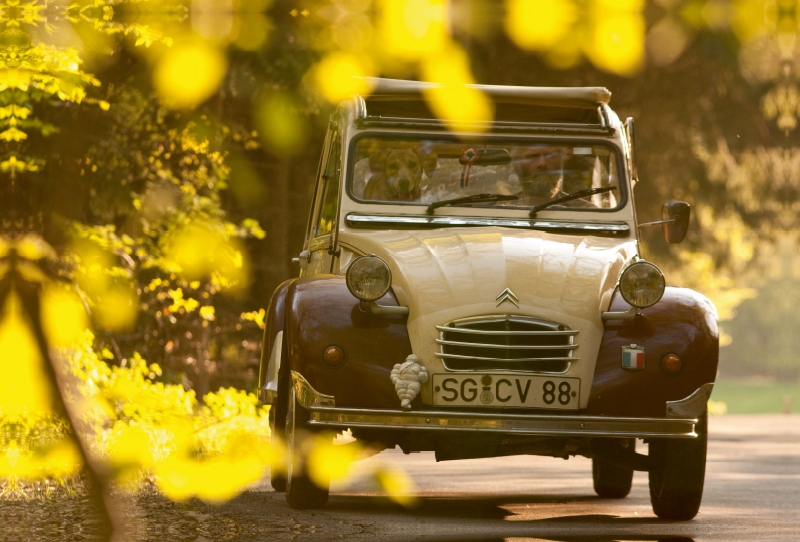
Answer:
(408, 378)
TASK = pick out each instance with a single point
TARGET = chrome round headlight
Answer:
(642, 284)
(368, 278)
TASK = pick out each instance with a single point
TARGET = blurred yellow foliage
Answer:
(280, 125)
(340, 75)
(329, 461)
(64, 317)
(452, 100)
(33, 247)
(206, 250)
(537, 25)
(255, 316)
(698, 271)
(252, 31)
(208, 313)
(215, 480)
(25, 385)
(750, 18)
(609, 33)
(413, 29)
(189, 74)
(33, 443)
(116, 308)
(58, 461)
(717, 408)
(617, 43)
(397, 485)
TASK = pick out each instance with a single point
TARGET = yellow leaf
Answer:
(618, 43)
(13, 134)
(413, 29)
(453, 100)
(62, 460)
(340, 75)
(25, 384)
(117, 307)
(188, 75)
(537, 25)
(64, 316)
(33, 247)
(397, 485)
(329, 461)
(130, 445)
(281, 126)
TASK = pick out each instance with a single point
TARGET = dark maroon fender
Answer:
(320, 312)
(683, 322)
(276, 314)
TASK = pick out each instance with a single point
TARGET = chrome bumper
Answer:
(519, 424)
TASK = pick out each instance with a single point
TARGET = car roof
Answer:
(556, 96)
(399, 104)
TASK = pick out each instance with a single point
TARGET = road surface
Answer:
(752, 493)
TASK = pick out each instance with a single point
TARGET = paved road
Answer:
(752, 493)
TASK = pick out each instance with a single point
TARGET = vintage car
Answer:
(477, 290)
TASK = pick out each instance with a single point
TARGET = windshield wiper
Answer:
(569, 197)
(476, 198)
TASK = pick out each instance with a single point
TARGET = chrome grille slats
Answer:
(510, 346)
(506, 343)
(482, 332)
(456, 356)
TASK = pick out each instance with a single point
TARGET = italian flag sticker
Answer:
(633, 357)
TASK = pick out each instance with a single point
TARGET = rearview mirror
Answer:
(675, 220)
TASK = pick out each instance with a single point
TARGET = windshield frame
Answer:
(622, 176)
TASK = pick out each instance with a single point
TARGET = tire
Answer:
(277, 426)
(301, 492)
(613, 481)
(277, 467)
(677, 474)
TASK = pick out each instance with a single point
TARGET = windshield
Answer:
(424, 171)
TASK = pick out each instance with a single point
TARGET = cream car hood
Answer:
(458, 267)
(447, 274)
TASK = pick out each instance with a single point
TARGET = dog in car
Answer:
(396, 174)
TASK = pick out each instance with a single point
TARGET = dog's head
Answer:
(402, 170)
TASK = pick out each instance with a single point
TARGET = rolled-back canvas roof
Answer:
(393, 89)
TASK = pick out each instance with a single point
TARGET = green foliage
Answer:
(758, 397)
(764, 334)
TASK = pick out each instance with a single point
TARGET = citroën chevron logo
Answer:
(507, 295)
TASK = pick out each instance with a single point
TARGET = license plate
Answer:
(506, 390)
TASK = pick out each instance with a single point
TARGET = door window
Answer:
(330, 189)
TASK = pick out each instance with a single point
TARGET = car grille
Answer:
(510, 343)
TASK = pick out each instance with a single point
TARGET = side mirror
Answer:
(675, 220)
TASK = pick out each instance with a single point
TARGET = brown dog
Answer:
(396, 174)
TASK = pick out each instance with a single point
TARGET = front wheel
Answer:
(612, 481)
(277, 468)
(277, 426)
(301, 491)
(677, 474)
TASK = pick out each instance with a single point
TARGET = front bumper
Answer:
(325, 414)
(518, 424)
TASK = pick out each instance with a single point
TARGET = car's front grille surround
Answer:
(507, 343)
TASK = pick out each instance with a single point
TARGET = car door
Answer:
(326, 209)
